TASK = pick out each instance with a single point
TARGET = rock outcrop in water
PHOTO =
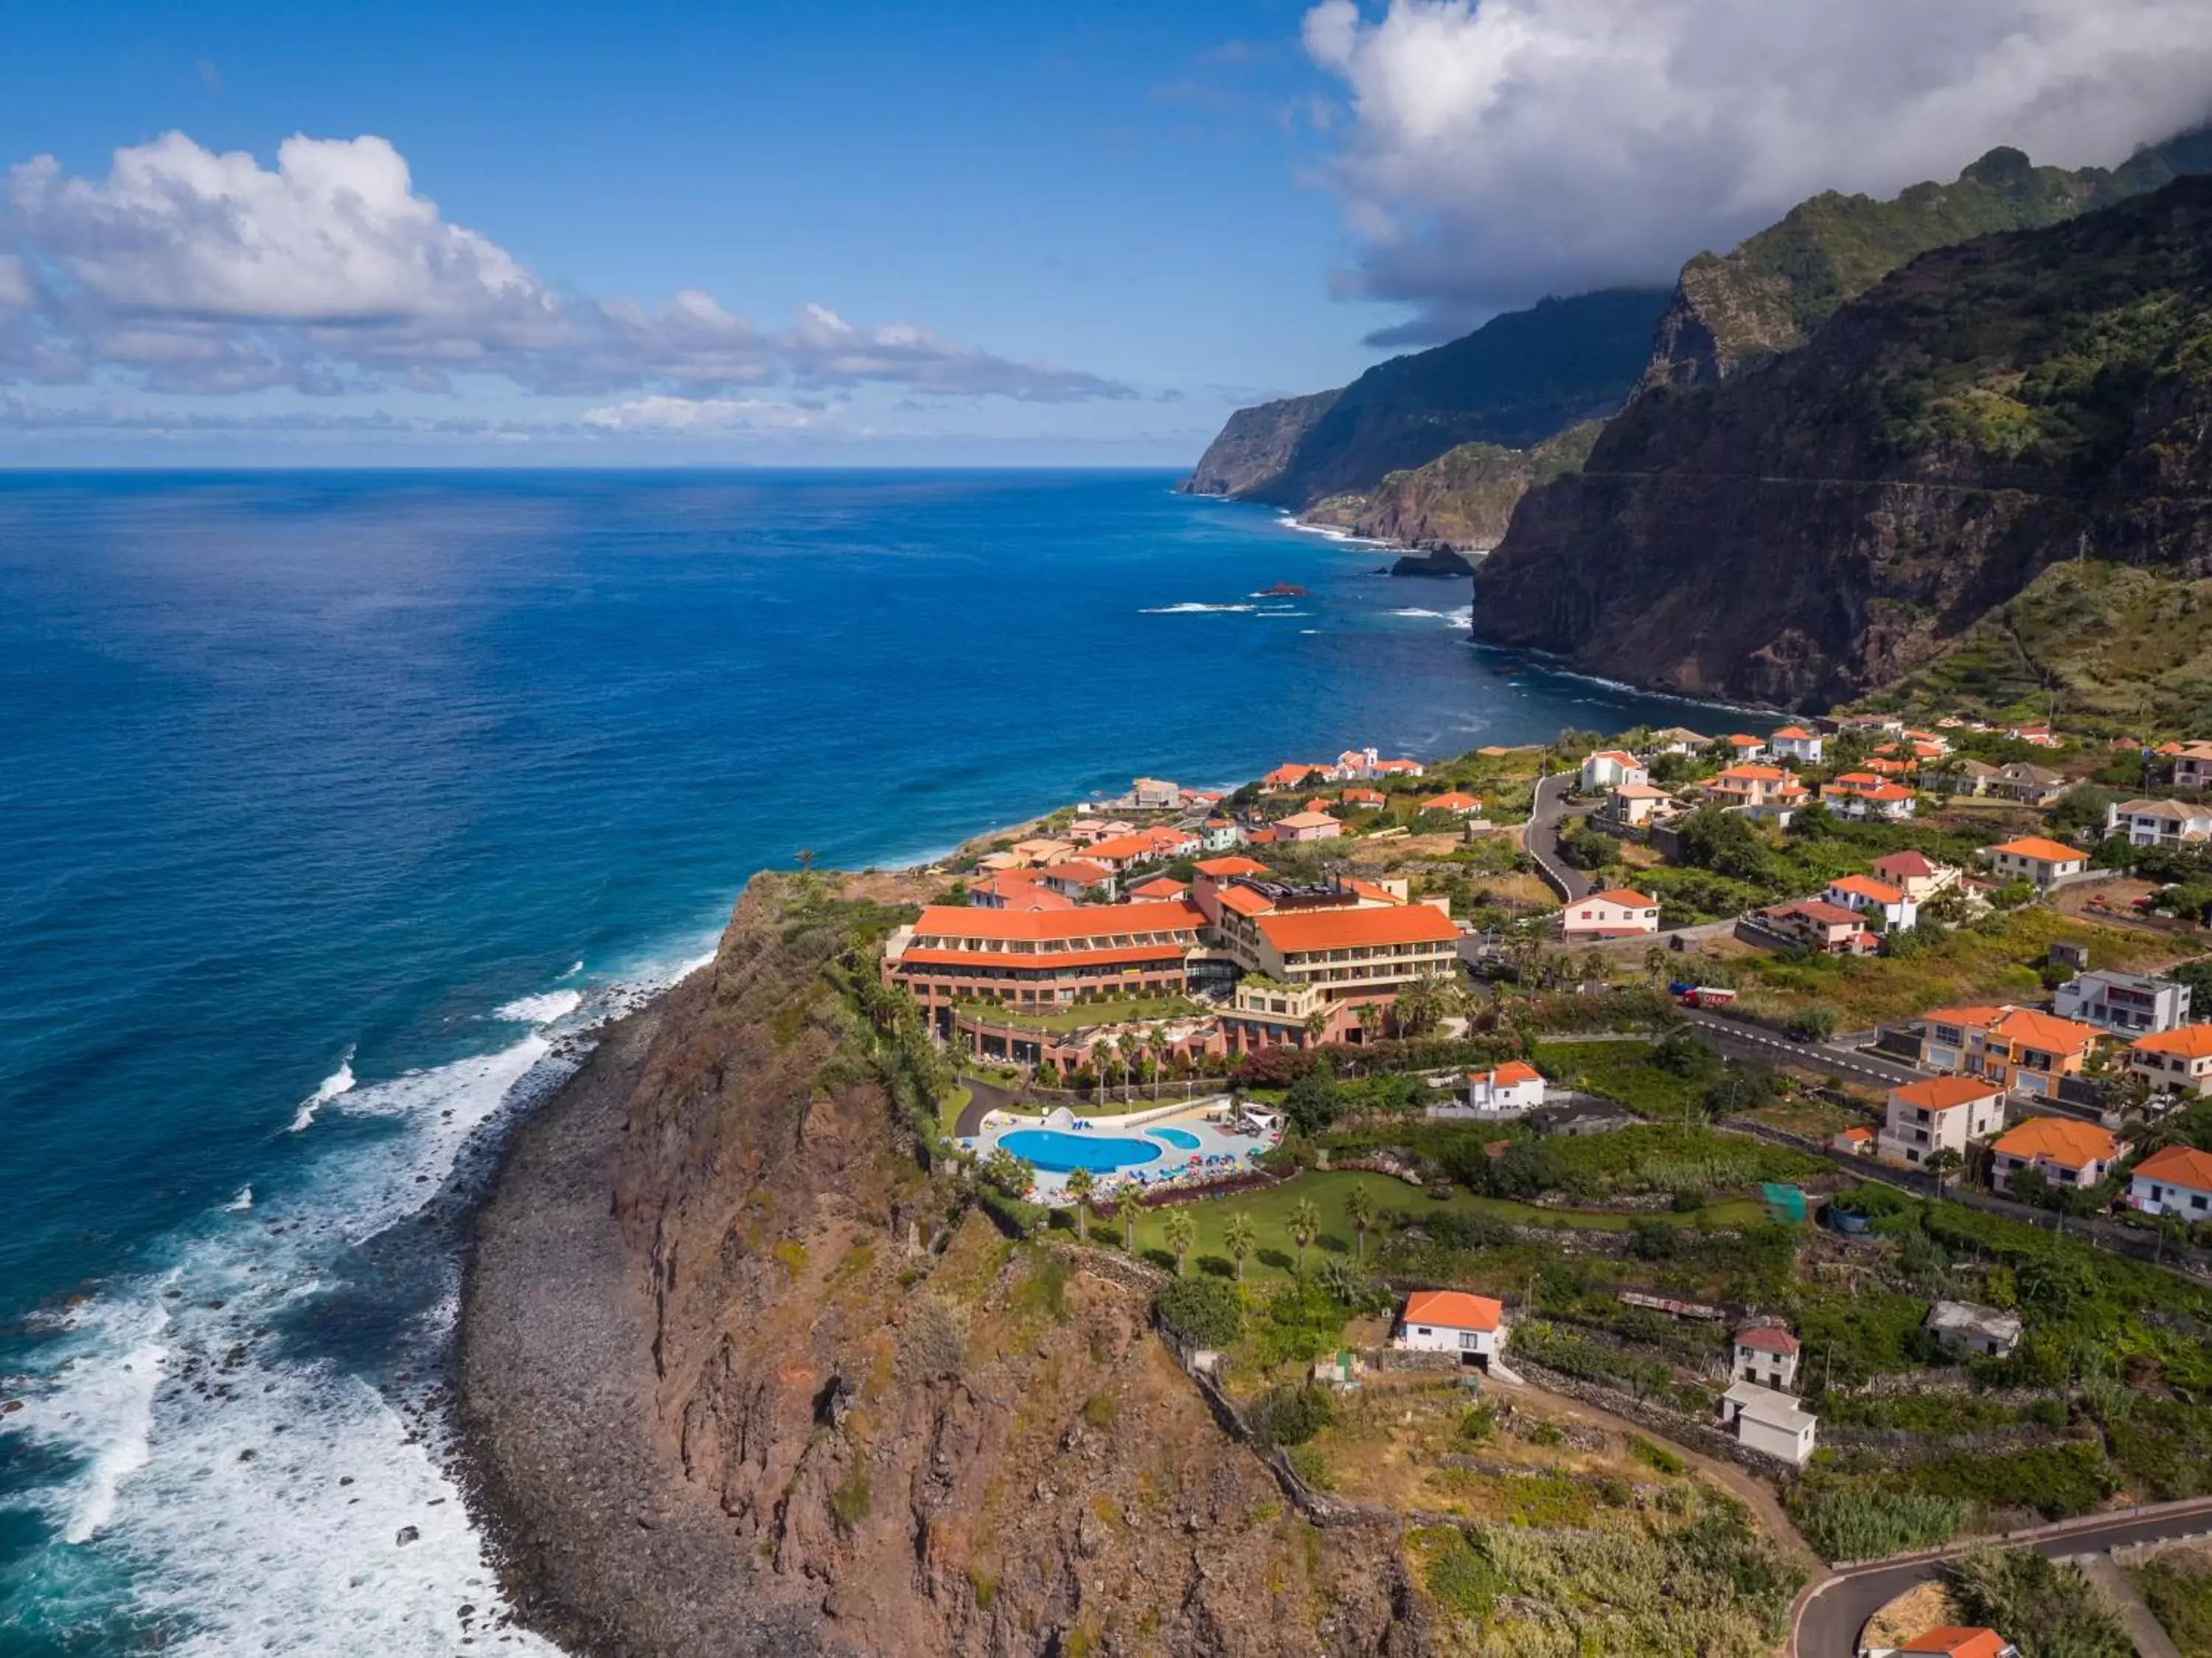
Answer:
(1799, 534)
(742, 1378)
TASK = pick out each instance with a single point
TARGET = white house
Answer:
(1768, 1422)
(1767, 1354)
(1636, 803)
(2038, 859)
(1453, 1321)
(1615, 913)
(2174, 1062)
(1871, 897)
(1920, 876)
(1680, 740)
(2160, 822)
(1513, 1087)
(1609, 768)
(1794, 743)
(2177, 1180)
(1940, 1113)
(1969, 1328)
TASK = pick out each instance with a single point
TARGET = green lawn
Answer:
(1116, 1012)
(1275, 1255)
(949, 1107)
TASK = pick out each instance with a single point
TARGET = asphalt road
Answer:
(1829, 1621)
(1541, 835)
(1758, 1046)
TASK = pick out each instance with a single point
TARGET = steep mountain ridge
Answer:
(1800, 534)
(1519, 379)
(1462, 501)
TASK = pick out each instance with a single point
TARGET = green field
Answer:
(1122, 1011)
(1270, 1209)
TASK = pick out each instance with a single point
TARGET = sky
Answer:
(962, 233)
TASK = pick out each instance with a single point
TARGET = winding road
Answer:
(1540, 837)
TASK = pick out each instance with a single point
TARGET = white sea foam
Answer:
(539, 1010)
(1328, 532)
(241, 1202)
(1463, 617)
(338, 1082)
(575, 967)
(1194, 610)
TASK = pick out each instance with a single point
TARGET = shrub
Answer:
(2050, 1608)
(848, 1503)
(1311, 1466)
(1657, 1458)
(1459, 1580)
(1865, 1522)
(1291, 1415)
(1099, 1410)
(933, 1341)
(1208, 1310)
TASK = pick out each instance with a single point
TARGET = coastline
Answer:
(596, 1548)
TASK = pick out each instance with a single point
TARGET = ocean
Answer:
(336, 803)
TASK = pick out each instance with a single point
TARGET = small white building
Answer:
(1794, 743)
(1767, 1354)
(1616, 912)
(1505, 1090)
(1969, 1328)
(1453, 1321)
(1680, 740)
(2177, 1180)
(1609, 768)
(1940, 1113)
(1773, 1424)
(1636, 804)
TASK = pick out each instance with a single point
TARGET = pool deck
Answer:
(1221, 1151)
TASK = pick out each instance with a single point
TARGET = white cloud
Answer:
(1508, 149)
(186, 271)
(662, 414)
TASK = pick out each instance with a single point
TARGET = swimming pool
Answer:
(1056, 1152)
(1182, 1139)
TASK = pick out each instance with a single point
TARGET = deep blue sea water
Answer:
(331, 801)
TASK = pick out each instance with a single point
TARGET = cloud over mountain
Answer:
(1508, 149)
(185, 271)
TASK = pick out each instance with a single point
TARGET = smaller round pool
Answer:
(1057, 1153)
(1182, 1138)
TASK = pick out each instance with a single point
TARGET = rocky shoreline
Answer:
(599, 1546)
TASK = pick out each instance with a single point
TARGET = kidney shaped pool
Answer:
(1056, 1152)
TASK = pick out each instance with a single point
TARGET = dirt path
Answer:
(1756, 1493)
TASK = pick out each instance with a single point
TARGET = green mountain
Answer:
(1463, 499)
(1775, 289)
(1519, 379)
(1822, 526)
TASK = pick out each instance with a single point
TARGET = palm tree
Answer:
(1129, 1209)
(1655, 963)
(1316, 1023)
(1359, 1209)
(1102, 1056)
(1079, 1184)
(1179, 1229)
(1370, 1020)
(1129, 1045)
(807, 862)
(1238, 1234)
(1305, 1228)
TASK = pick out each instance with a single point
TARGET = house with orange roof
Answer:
(1229, 868)
(2017, 1048)
(1745, 746)
(1617, 913)
(1291, 774)
(2177, 1180)
(1635, 804)
(1366, 800)
(1353, 765)
(1951, 1641)
(1610, 767)
(1942, 1113)
(1307, 825)
(1857, 1139)
(1920, 876)
(1505, 1090)
(1014, 889)
(955, 954)
(1077, 878)
(1817, 925)
(1750, 785)
(1042, 849)
(1452, 1321)
(1401, 768)
(2176, 1061)
(2038, 859)
(2069, 1152)
(1767, 1354)
(1863, 892)
(1358, 953)
(1158, 888)
(1794, 743)
(1219, 834)
(1886, 762)
(1086, 832)
(1863, 796)
(1458, 804)
(2192, 765)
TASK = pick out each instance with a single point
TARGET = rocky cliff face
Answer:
(1463, 500)
(1772, 292)
(1805, 533)
(858, 1420)
(1519, 379)
(1255, 446)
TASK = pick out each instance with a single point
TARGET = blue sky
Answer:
(1035, 234)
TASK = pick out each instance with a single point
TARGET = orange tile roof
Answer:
(1615, 755)
(1954, 1641)
(1767, 1338)
(1974, 1015)
(1453, 800)
(1513, 1072)
(960, 921)
(1044, 961)
(2045, 1031)
(1283, 775)
(1623, 896)
(1905, 865)
(1305, 820)
(1075, 869)
(2062, 1140)
(1751, 774)
(1337, 929)
(2181, 1166)
(1398, 765)
(1221, 868)
(1369, 889)
(1741, 741)
(1455, 1310)
(1124, 846)
(1813, 909)
(1158, 886)
(1795, 733)
(1886, 791)
(2050, 851)
(1245, 902)
(2189, 1042)
(1866, 887)
(1945, 1092)
(1318, 803)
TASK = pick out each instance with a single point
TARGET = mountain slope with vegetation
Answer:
(1772, 292)
(1519, 379)
(1463, 499)
(1808, 533)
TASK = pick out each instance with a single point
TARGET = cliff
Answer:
(1772, 292)
(1800, 534)
(743, 1377)
(1461, 500)
(1255, 446)
(1519, 379)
